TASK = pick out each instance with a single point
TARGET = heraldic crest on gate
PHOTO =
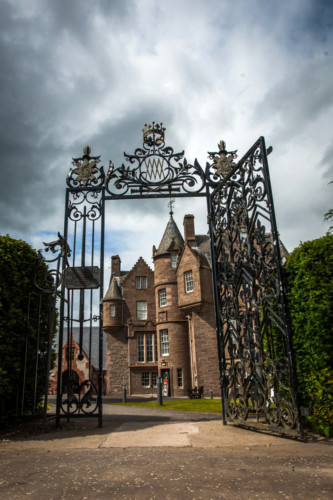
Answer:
(253, 330)
(155, 170)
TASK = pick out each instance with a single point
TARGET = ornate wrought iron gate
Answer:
(258, 381)
(80, 385)
(253, 330)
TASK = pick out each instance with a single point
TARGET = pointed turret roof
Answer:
(114, 291)
(172, 240)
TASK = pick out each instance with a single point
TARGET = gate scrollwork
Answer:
(79, 398)
(154, 170)
(258, 383)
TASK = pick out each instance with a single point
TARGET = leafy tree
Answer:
(310, 289)
(20, 327)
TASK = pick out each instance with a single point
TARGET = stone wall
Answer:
(136, 381)
(206, 349)
(189, 262)
(117, 363)
(132, 295)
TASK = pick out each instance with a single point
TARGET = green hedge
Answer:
(309, 270)
(19, 307)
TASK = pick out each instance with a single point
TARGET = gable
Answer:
(141, 268)
(188, 258)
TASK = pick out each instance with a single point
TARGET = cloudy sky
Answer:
(77, 72)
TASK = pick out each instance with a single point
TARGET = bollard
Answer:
(159, 391)
(124, 393)
(211, 393)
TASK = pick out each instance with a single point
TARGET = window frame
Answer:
(140, 347)
(145, 375)
(146, 347)
(149, 347)
(188, 281)
(174, 258)
(162, 297)
(139, 312)
(150, 377)
(180, 378)
(164, 334)
(141, 282)
(112, 309)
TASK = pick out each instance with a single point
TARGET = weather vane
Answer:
(171, 202)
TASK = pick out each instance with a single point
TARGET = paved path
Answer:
(150, 454)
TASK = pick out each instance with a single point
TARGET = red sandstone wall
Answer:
(121, 342)
(206, 349)
(189, 262)
(117, 320)
(131, 294)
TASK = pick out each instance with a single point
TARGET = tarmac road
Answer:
(150, 454)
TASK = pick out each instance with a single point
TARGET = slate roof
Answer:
(114, 290)
(202, 249)
(172, 238)
(202, 243)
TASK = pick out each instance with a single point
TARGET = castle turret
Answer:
(171, 323)
(113, 306)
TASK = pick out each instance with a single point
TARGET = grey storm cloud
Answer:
(76, 72)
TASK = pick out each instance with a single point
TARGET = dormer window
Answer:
(173, 260)
(188, 281)
(141, 282)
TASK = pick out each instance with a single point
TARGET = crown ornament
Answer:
(153, 135)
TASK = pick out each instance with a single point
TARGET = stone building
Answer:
(78, 368)
(161, 322)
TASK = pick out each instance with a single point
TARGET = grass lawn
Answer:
(198, 405)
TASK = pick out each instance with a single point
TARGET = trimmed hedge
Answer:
(19, 307)
(309, 270)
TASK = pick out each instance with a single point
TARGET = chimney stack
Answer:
(189, 233)
(115, 265)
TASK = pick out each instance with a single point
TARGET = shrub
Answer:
(20, 326)
(309, 271)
